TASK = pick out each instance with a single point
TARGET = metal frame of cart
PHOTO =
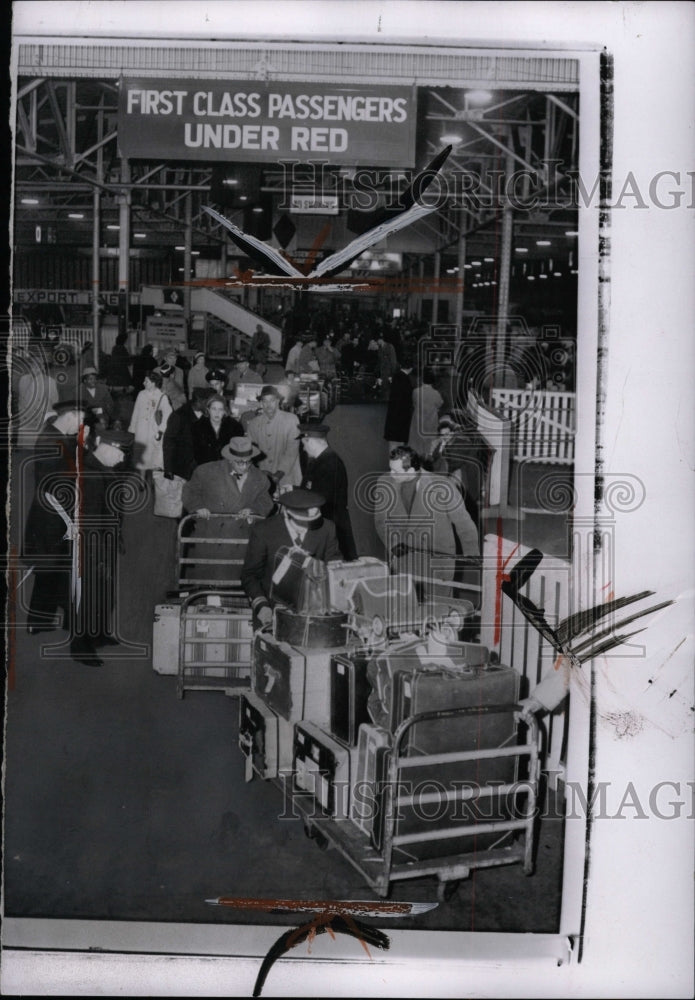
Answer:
(379, 869)
(231, 675)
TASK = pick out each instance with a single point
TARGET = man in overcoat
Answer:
(325, 473)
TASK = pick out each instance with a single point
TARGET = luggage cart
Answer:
(381, 867)
(215, 631)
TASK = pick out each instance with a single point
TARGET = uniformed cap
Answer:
(117, 438)
(216, 375)
(66, 405)
(302, 505)
(313, 430)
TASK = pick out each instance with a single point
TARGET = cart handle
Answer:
(449, 713)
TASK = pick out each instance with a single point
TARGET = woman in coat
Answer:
(196, 376)
(213, 431)
(148, 423)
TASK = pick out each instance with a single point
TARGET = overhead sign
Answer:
(171, 328)
(66, 297)
(368, 125)
(305, 203)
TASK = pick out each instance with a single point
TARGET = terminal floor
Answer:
(124, 802)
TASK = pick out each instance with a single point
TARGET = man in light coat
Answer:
(276, 433)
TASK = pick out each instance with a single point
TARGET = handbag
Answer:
(168, 495)
(300, 582)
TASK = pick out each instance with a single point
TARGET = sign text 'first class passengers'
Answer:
(218, 120)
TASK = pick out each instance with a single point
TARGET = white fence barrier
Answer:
(543, 423)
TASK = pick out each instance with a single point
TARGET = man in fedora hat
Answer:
(275, 432)
(299, 524)
(325, 473)
(234, 486)
(96, 398)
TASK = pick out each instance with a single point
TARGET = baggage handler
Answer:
(298, 524)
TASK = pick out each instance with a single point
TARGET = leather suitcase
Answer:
(265, 739)
(312, 631)
(384, 676)
(322, 767)
(342, 577)
(349, 689)
(392, 600)
(294, 682)
(277, 676)
(429, 689)
(165, 638)
(366, 796)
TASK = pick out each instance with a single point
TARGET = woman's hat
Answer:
(240, 447)
(302, 505)
(200, 354)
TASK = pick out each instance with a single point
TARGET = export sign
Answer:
(244, 121)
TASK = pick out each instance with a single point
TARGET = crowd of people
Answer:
(248, 465)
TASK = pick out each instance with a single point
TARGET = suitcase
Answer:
(216, 640)
(342, 577)
(385, 602)
(277, 676)
(300, 582)
(165, 638)
(384, 674)
(365, 792)
(312, 631)
(322, 767)
(471, 654)
(349, 691)
(265, 739)
(429, 689)
(295, 683)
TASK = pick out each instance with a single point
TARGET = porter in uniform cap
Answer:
(303, 506)
(216, 375)
(313, 430)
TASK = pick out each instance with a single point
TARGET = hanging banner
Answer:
(369, 125)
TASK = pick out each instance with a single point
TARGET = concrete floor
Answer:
(125, 802)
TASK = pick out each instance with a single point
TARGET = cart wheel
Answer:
(447, 890)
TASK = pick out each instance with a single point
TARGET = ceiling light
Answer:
(257, 209)
(75, 215)
(489, 260)
(180, 269)
(468, 266)
(478, 97)
(113, 226)
(195, 253)
(543, 276)
(179, 248)
(451, 139)
(230, 181)
(139, 236)
(521, 249)
(574, 271)
(493, 282)
(487, 284)
(476, 263)
(30, 201)
(243, 197)
(531, 277)
(571, 232)
(542, 243)
(557, 274)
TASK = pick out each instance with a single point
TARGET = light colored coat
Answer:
(278, 439)
(148, 449)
